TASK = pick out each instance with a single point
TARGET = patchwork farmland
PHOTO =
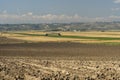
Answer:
(31, 55)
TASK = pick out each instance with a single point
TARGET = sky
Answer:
(59, 11)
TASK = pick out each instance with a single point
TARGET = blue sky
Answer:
(28, 11)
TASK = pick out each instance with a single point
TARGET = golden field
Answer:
(31, 38)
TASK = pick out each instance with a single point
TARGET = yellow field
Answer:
(57, 39)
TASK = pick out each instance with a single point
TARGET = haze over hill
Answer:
(92, 26)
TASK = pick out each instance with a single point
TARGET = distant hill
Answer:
(96, 26)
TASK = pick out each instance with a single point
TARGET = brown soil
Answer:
(36, 69)
(5, 40)
(52, 49)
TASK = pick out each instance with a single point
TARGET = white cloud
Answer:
(30, 18)
(116, 1)
(115, 9)
(30, 13)
(114, 17)
(49, 18)
(5, 12)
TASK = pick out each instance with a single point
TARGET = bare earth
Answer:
(51, 49)
(24, 68)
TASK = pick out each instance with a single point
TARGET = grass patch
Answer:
(112, 43)
(30, 34)
(85, 37)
